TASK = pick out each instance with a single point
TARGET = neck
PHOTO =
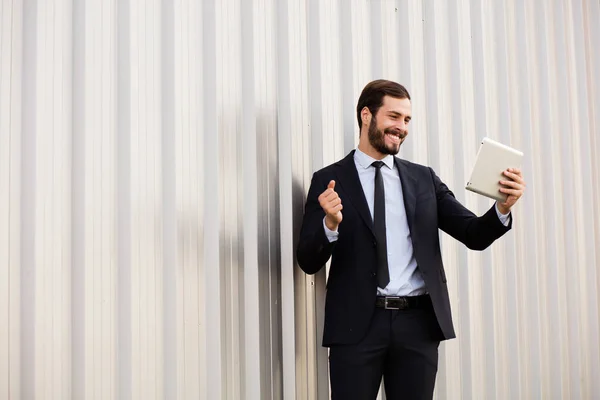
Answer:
(369, 150)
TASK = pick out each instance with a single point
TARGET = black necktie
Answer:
(383, 274)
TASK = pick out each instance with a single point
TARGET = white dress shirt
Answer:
(405, 277)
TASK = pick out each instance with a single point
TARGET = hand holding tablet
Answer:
(497, 174)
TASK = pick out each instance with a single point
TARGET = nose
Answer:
(402, 126)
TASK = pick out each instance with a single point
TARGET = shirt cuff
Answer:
(332, 236)
(504, 218)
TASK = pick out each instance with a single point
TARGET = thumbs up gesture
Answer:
(332, 205)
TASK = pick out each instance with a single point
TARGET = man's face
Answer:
(389, 127)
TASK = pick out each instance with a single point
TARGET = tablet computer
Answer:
(492, 159)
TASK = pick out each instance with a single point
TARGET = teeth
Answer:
(394, 138)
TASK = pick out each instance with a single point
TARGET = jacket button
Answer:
(374, 244)
(374, 274)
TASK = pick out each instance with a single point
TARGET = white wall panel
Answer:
(46, 202)
(155, 157)
(94, 283)
(11, 67)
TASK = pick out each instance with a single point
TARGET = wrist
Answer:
(502, 209)
(331, 225)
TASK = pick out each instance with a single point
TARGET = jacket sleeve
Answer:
(477, 233)
(314, 249)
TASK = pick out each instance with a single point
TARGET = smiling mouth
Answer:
(396, 138)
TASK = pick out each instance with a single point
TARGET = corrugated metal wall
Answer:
(154, 158)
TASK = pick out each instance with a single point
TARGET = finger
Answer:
(327, 203)
(507, 173)
(330, 196)
(331, 205)
(511, 189)
(513, 180)
(516, 176)
(334, 210)
(512, 184)
(327, 195)
(330, 189)
(512, 192)
(335, 202)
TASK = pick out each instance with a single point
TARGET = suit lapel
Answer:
(350, 182)
(409, 190)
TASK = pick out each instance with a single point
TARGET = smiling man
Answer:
(377, 216)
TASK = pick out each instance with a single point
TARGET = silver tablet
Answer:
(492, 159)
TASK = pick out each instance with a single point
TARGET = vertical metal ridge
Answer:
(14, 195)
(11, 88)
(286, 187)
(123, 197)
(78, 221)
(213, 274)
(28, 204)
(591, 38)
(169, 262)
(252, 190)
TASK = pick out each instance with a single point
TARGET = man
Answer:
(387, 306)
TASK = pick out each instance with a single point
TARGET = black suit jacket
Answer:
(352, 283)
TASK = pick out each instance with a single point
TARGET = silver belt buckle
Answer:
(387, 307)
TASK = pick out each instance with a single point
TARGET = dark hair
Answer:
(373, 94)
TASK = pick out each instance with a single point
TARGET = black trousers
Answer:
(401, 346)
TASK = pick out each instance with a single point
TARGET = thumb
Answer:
(331, 185)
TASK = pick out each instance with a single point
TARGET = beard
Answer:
(377, 139)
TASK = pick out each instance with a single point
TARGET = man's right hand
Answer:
(332, 205)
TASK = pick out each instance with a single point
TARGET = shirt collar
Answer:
(365, 160)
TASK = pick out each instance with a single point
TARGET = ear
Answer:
(365, 115)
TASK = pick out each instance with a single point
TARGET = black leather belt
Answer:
(403, 302)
